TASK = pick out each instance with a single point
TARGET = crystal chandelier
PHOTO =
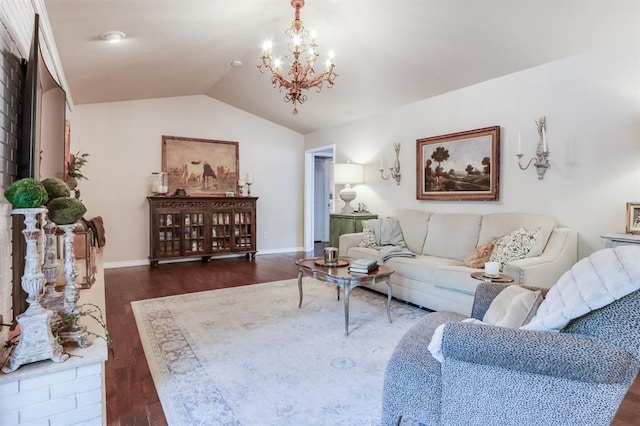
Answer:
(300, 75)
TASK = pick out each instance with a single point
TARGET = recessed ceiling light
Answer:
(114, 36)
(236, 64)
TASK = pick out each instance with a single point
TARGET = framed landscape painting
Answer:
(462, 166)
(200, 166)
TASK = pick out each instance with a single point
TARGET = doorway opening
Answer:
(319, 197)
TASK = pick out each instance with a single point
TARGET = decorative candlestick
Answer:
(71, 330)
(36, 340)
(52, 299)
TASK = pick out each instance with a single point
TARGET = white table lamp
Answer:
(348, 174)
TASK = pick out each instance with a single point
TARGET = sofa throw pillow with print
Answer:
(480, 255)
(369, 239)
(514, 246)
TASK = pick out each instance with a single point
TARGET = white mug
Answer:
(492, 269)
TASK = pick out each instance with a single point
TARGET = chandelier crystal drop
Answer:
(300, 75)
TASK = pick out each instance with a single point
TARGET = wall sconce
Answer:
(540, 161)
(394, 171)
(347, 174)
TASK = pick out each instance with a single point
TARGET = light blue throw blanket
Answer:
(388, 235)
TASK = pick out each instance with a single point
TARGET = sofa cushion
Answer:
(513, 307)
(419, 268)
(453, 236)
(455, 277)
(480, 255)
(414, 225)
(363, 253)
(514, 246)
(496, 225)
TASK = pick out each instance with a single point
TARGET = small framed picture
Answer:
(633, 218)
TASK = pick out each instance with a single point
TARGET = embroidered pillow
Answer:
(480, 255)
(514, 246)
(368, 236)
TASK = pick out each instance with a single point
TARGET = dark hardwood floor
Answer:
(131, 395)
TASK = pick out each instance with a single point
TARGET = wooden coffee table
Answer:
(341, 276)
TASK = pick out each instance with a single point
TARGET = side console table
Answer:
(346, 224)
(614, 240)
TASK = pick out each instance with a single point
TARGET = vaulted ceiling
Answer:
(388, 53)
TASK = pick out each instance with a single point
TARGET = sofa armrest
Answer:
(347, 241)
(560, 254)
(563, 355)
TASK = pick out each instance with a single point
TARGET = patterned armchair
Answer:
(495, 375)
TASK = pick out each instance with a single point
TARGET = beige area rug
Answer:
(248, 355)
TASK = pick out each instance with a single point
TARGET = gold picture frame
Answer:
(633, 218)
(467, 169)
(202, 167)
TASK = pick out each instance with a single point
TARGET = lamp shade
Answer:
(348, 173)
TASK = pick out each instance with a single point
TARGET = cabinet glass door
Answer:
(168, 234)
(243, 229)
(193, 231)
(220, 231)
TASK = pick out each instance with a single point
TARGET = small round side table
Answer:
(500, 278)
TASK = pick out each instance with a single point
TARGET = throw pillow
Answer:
(513, 307)
(369, 239)
(480, 255)
(514, 246)
(593, 282)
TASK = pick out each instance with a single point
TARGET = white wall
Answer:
(124, 142)
(592, 105)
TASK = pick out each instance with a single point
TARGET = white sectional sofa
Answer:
(436, 278)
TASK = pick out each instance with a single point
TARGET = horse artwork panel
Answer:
(200, 166)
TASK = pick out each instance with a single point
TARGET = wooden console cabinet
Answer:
(346, 224)
(182, 227)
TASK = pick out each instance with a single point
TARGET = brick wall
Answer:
(11, 92)
(67, 397)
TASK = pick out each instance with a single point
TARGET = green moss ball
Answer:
(56, 188)
(66, 210)
(26, 193)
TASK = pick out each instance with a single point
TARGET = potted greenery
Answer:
(26, 193)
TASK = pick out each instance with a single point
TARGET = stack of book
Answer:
(363, 266)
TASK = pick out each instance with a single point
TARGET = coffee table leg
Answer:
(300, 287)
(347, 287)
(389, 296)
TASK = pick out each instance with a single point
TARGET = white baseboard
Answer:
(145, 262)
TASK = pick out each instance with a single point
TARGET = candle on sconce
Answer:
(381, 166)
(519, 142)
(544, 140)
